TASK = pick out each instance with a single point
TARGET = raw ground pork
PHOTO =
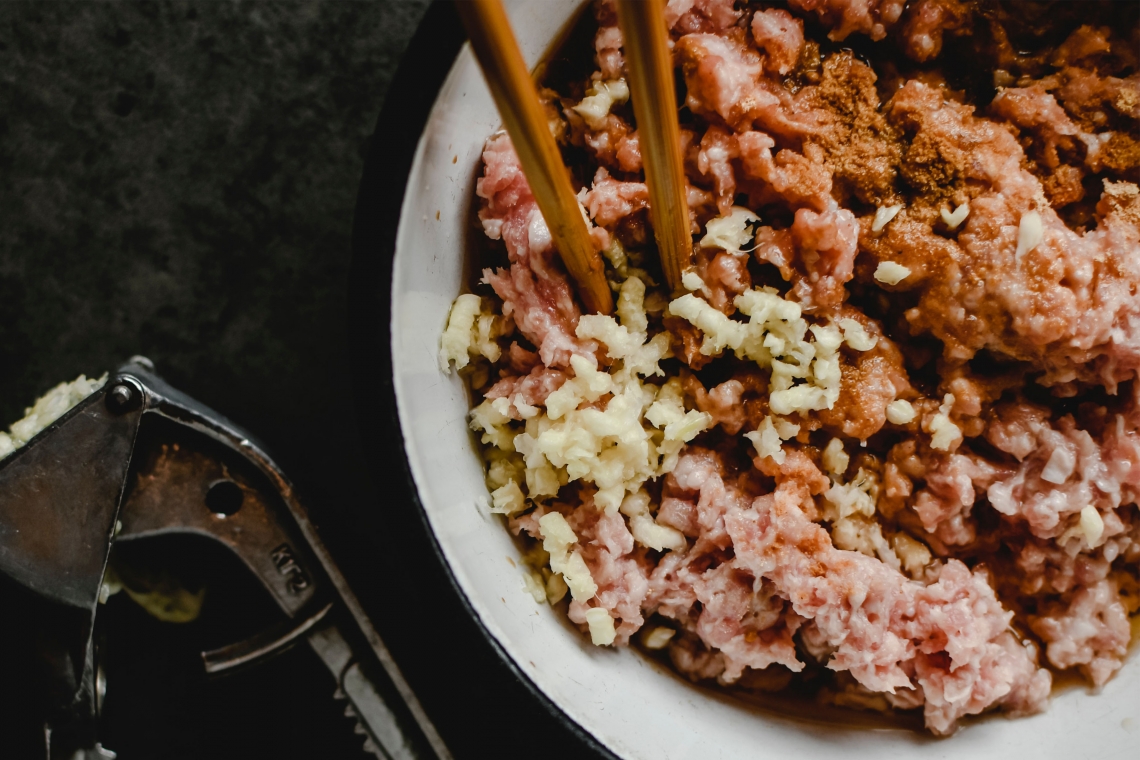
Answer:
(959, 520)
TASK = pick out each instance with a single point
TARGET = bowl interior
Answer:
(632, 705)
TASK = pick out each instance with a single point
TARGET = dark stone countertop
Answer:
(178, 180)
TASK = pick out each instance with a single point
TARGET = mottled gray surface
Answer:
(177, 179)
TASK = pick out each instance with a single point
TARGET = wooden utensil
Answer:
(650, 66)
(517, 99)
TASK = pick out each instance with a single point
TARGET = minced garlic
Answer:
(533, 584)
(805, 374)
(900, 412)
(883, 216)
(835, 459)
(692, 281)
(470, 332)
(508, 500)
(47, 409)
(943, 432)
(732, 232)
(891, 273)
(912, 553)
(850, 508)
(855, 336)
(600, 99)
(557, 538)
(646, 531)
(766, 440)
(1092, 525)
(1030, 232)
(657, 638)
(601, 625)
(953, 218)
(637, 434)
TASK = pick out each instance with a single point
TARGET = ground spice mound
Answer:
(884, 448)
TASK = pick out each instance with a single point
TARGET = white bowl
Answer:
(631, 705)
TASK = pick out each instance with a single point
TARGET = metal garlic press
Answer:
(139, 459)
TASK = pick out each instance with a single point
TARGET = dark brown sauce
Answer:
(568, 64)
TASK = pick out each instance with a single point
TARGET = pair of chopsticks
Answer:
(650, 67)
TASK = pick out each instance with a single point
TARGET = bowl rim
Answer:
(380, 220)
(423, 68)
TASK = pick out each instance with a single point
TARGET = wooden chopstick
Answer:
(650, 66)
(517, 99)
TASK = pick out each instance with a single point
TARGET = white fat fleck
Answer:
(538, 235)
(691, 280)
(1092, 525)
(731, 232)
(835, 459)
(943, 432)
(657, 638)
(1030, 232)
(883, 216)
(891, 273)
(900, 412)
(602, 632)
(957, 216)
(1094, 143)
(1060, 466)
(856, 336)
(601, 98)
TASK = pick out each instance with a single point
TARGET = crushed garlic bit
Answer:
(912, 553)
(646, 531)
(900, 412)
(943, 432)
(856, 336)
(692, 281)
(850, 508)
(557, 538)
(47, 409)
(731, 232)
(532, 583)
(766, 440)
(470, 331)
(835, 459)
(508, 500)
(636, 433)
(657, 638)
(556, 588)
(953, 219)
(1092, 525)
(602, 632)
(1030, 232)
(883, 216)
(805, 373)
(600, 99)
(891, 273)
